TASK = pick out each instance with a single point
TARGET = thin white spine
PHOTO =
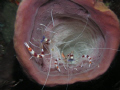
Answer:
(48, 72)
(34, 44)
(46, 28)
(52, 17)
